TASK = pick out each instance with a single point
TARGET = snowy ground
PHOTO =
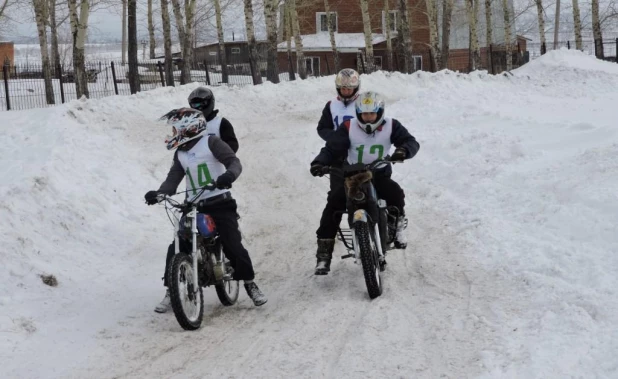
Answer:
(510, 273)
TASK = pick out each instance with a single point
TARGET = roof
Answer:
(344, 41)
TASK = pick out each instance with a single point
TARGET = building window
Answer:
(312, 64)
(235, 50)
(321, 21)
(377, 62)
(393, 15)
(212, 53)
(418, 62)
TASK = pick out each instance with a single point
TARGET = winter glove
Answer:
(151, 197)
(399, 155)
(224, 181)
(317, 169)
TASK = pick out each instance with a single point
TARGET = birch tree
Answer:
(79, 30)
(541, 17)
(132, 47)
(53, 31)
(596, 30)
(387, 34)
(167, 43)
(557, 24)
(507, 35)
(298, 42)
(185, 26)
(270, 17)
(288, 28)
(369, 61)
(221, 38)
(403, 27)
(124, 33)
(331, 17)
(475, 54)
(577, 24)
(447, 17)
(151, 31)
(251, 44)
(434, 40)
(41, 16)
(488, 26)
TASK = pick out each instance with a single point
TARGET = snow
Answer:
(510, 271)
(321, 41)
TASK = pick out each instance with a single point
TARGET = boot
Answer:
(165, 304)
(254, 293)
(324, 255)
(401, 242)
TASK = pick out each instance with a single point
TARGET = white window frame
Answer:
(420, 60)
(212, 53)
(235, 50)
(319, 63)
(393, 25)
(376, 58)
(318, 22)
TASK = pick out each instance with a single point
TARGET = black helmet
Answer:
(202, 99)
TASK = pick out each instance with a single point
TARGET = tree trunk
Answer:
(298, 42)
(40, 12)
(288, 28)
(577, 23)
(405, 37)
(167, 43)
(387, 34)
(507, 35)
(557, 25)
(151, 31)
(124, 32)
(79, 30)
(488, 26)
(596, 30)
(270, 17)
(187, 43)
(434, 40)
(475, 55)
(180, 27)
(132, 47)
(252, 45)
(53, 30)
(369, 61)
(221, 38)
(331, 34)
(447, 17)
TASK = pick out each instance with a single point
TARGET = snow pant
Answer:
(335, 205)
(226, 221)
(387, 189)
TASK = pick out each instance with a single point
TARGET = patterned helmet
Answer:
(187, 124)
(347, 78)
(370, 102)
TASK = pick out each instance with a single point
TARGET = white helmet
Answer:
(187, 124)
(370, 102)
(347, 78)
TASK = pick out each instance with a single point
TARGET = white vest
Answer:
(213, 127)
(367, 148)
(341, 113)
(201, 168)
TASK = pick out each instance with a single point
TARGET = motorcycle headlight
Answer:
(359, 196)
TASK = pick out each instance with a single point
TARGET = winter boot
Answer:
(165, 304)
(324, 255)
(254, 293)
(401, 242)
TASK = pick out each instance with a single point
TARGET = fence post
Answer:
(114, 78)
(160, 66)
(59, 70)
(491, 59)
(5, 71)
(207, 75)
(569, 45)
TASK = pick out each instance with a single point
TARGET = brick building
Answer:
(7, 53)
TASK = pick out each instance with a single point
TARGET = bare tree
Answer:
(577, 23)
(405, 43)
(167, 43)
(288, 28)
(270, 16)
(151, 30)
(124, 32)
(331, 17)
(596, 30)
(387, 34)
(541, 17)
(79, 29)
(488, 24)
(132, 48)
(251, 43)
(369, 61)
(557, 24)
(447, 17)
(475, 54)
(41, 16)
(434, 39)
(221, 38)
(53, 31)
(298, 42)
(507, 35)
(185, 26)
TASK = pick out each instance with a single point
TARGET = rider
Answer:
(366, 139)
(206, 160)
(335, 113)
(203, 100)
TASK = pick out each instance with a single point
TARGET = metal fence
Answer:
(593, 47)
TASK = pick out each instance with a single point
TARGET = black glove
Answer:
(399, 155)
(224, 181)
(151, 197)
(317, 169)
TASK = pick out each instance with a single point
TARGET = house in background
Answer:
(7, 53)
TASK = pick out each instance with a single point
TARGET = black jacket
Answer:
(326, 127)
(338, 144)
